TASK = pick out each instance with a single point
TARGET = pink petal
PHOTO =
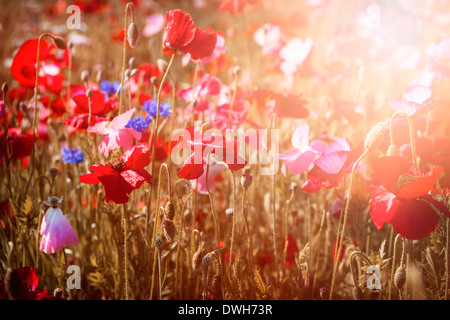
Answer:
(56, 232)
(302, 163)
(102, 127)
(383, 207)
(332, 163)
(300, 138)
(121, 120)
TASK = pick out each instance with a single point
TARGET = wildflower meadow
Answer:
(225, 150)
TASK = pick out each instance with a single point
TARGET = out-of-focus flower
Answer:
(284, 105)
(109, 88)
(301, 158)
(154, 24)
(269, 38)
(294, 53)
(181, 34)
(116, 133)
(19, 144)
(235, 6)
(439, 57)
(73, 155)
(56, 231)
(120, 177)
(150, 106)
(413, 100)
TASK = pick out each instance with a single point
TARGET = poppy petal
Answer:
(383, 207)
(193, 168)
(422, 185)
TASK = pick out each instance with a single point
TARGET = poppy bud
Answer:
(375, 136)
(188, 216)
(59, 42)
(134, 72)
(159, 243)
(154, 81)
(4, 88)
(133, 34)
(207, 260)
(400, 277)
(237, 71)
(99, 77)
(246, 180)
(89, 93)
(294, 186)
(53, 172)
(131, 62)
(323, 293)
(357, 293)
(85, 75)
(162, 65)
(170, 210)
(393, 151)
(169, 230)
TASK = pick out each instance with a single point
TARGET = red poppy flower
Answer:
(120, 177)
(100, 107)
(181, 34)
(22, 286)
(235, 6)
(284, 105)
(23, 67)
(214, 145)
(19, 144)
(403, 198)
(264, 257)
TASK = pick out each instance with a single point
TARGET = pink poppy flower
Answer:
(301, 158)
(215, 168)
(56, 231)
(414, 99)
(117, 135)
(294, 53)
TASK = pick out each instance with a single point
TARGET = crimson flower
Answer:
(235, 6)
(19, 144)
(22, 285)
(80, 110)
(120, 177)
(23, 67)
(209, 145)
(403, 198)
(181, 34)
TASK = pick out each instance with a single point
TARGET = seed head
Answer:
(89, 93)
(216, 284)
(53, 172)
(197, 259)
(169, 230)
(393, 150)
(159, 243)
(357, 293)
(4, 88)
(169, 210)
(375, 136)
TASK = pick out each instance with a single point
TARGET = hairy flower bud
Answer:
(133, 34)
(393, 151)
(375, 136)
(400, 277)
(59, 42)
(169, 210)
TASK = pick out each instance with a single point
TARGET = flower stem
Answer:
(411, 133)
(125, 250)
(155, 130)
(347, 205)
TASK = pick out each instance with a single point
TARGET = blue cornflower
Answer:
(151, 105)
(139, 124)
(109, 88)
(73, 155)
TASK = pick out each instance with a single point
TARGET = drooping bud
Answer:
(85, 75)
(216, 284)
(133, 34)
(229, 213)
(197, 259)
(59, 42)
(375, 136)
(400, 277)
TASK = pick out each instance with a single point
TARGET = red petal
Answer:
(116, 188)
(383, 207)
(179, 30)
(414, 219)
(137, 157)
(422, 185)
(202, 45)
(193, 168)
(387, 170)
(82, 103)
